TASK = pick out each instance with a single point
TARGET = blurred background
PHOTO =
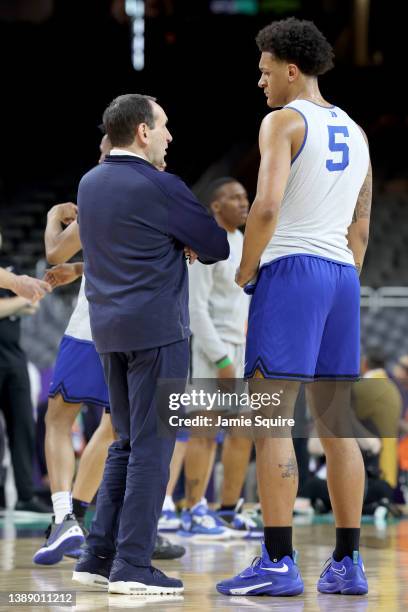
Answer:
(63, 62)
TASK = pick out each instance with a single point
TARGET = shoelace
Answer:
(326, 568)
(255, 562)
(156, 572)
(206, 521)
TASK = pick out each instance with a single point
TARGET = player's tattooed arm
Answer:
(363, 206)
(358, 231)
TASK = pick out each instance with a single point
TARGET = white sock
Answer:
(62, 505)
(168, 503)
(202, 502)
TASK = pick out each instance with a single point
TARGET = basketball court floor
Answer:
(384, 550)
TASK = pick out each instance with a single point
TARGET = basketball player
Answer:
(218, 315)
(24, 286)
(78, 378)
(305, 239)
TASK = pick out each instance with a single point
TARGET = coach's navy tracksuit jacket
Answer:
(134, 222)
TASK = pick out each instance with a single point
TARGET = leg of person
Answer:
(235, 457)
(59, 452)
(95, 565)
(21, 432)
(236, 451)
(176, 465)
(147, 472)
(197, 521)
(91, 464)
(68, 390)
(345, 480)
(286, 322)
(199, 461)
(64, 533)
(338, 363)
(88, 479)
(169, 520)
(94, 390)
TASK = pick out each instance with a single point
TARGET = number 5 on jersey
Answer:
(337, 144)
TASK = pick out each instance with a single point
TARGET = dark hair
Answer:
(375, 358)
(297, 41)
(124, 114)
(211, 192)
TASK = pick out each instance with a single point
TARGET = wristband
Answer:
(223, 363)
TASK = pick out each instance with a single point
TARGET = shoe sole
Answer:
(73, 554)
(284, 591)
(169, 526)
(204, 537)
(353, 589)
(50, 555)
(91, 579)
(169, 556)
(138, 588)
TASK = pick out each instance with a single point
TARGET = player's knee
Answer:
(59, 413)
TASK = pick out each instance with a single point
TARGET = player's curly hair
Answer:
(297, 41)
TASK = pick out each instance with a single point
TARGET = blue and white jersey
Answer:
(323, 186)
(79, 325)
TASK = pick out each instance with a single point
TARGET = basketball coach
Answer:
(135, 222)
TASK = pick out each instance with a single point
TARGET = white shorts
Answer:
(204, 374)
(202, 367)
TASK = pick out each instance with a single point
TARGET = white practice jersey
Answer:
(323, 186)
(218, 307)
(79, 325)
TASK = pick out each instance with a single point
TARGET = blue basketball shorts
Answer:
(78, 374)
(304, 320)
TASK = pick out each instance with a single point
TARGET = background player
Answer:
(308, 229)
(218, 314)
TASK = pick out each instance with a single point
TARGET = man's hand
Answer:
(227, 372)
(243, 276)
(63, 274)
(32, 289)
(190, 255)
(65, 213)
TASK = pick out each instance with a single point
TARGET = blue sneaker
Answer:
(131, 580)
(169, 521)
(60, 539)
(92, 570)
(201, 524)
(263, 577)
(346, 577)
(242, 524)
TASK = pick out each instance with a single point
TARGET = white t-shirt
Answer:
(218, 306)
(79, 325)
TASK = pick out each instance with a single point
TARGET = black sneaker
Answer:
(33, 505)
(130, 580)
(164, 549)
